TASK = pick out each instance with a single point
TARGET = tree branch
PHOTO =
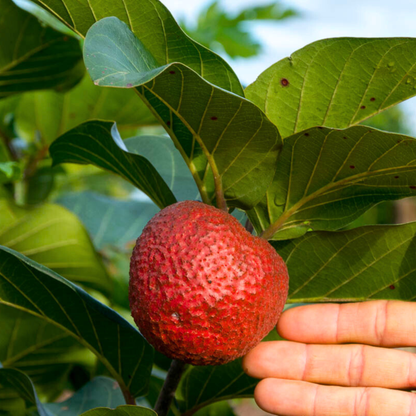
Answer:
(170, 385)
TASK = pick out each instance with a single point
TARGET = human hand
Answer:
(304, 378)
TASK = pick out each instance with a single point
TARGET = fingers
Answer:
(383, 323)
(299, 398)
(343, 365)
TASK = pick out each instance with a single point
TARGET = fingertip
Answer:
(264, 391)
(254, 360)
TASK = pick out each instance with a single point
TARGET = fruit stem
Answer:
(170, 385)
(128, 397)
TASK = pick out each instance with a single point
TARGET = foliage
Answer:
(290, 152)
(222, 31)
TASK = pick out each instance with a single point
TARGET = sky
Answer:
(320, 19)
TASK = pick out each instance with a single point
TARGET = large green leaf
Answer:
(50, 114)
(33, 56)
(41, 350)
(33, 288)
(163, 155)
(151, 22)
(373, 262)
(336, 82)
(121, 411)
(98, 143)
(228, 143)
(54, 237)
(101, 391)
(201, 386)
(19, 383)
(327, 178)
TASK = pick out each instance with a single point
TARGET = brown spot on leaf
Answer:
(396, 177)
(392, 287)
(306, 134)
(172, 72)
(412, 187)
(168, 123)
(372, 99)
(345, 137)
(284, 82)
(362, 107)
(352, 167)
(213, 118)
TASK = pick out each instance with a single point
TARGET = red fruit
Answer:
(202, 289)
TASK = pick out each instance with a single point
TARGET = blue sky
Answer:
(320, 19)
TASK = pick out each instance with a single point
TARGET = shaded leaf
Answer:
(42, 351)
(98, 143)
(201, 386)
(20, 383)
(41, 292)
(216, 409)
(125, 410)
(163, 155)
(101, 391)
(227, 142)
(51, 114)
(151, 22)
(34, 57)
(373, 262)
(336, 82)
(327, 178)
(109, 221)
(54, 237)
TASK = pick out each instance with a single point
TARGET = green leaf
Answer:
(99, 143)
(34, 57)
(336, 82)
(163, 155)
(216, 409)
(151, 22)
(201, 386)
(54, 237)
(50, 114)
(327, 178)
(125, 410)
(372, 262)
(33, 288)
(109, 221)
(101, 391)
(41, 350)
(10, 171)
(228, 143)
(20, 383)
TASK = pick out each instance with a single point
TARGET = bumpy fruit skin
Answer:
(202, 289)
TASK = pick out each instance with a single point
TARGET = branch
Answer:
(170, 385)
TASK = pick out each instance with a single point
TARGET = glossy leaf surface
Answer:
(39, 291)
(228, 143)
(34, 57)
(151, 22)
(98, 143)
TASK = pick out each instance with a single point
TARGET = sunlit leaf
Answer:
(228, 143)
(33, 288)
(327, 178)
(336, 82)
(98, 143)
(33, 56)
(10, 171)
(151, 22)
(373, 262)
(54, 237)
